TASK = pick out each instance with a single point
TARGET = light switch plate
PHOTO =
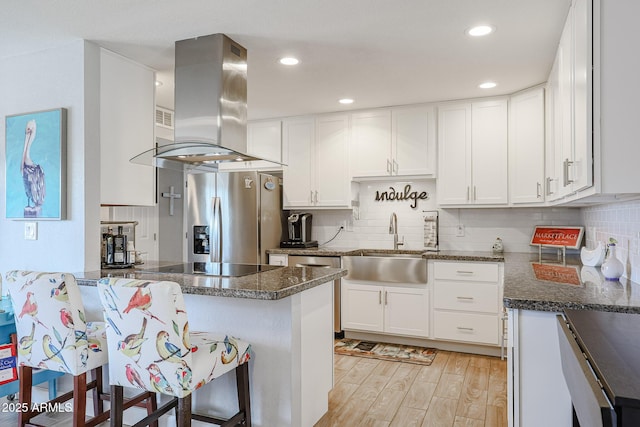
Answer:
(31, 231)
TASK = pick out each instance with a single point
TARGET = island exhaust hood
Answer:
(210, 106)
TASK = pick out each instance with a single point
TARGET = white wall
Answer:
(620, 221)
(68, 77)
(482, 226)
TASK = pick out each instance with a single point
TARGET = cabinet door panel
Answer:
(489, 152)
(332, 161)
(299, 138)
(361, 307)
(526, 147)
(371, 143)
(414, 139)
(127, 117)
(454, 145)
(406, 311)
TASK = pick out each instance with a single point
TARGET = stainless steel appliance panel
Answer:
(323, 261)
(233, 217)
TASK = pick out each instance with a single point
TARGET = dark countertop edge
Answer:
(560, 306)
(267, 295)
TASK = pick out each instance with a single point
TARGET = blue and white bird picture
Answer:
(35, 154)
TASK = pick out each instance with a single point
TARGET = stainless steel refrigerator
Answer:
(233, 217)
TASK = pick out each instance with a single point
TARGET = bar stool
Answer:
(147, 323)
(52, 334)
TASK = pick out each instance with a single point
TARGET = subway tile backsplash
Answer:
(620, 221)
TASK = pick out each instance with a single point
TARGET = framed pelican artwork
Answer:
(35, 153)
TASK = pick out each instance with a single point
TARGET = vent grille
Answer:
(164, 118)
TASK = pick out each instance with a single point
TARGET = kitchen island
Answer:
(286, 315)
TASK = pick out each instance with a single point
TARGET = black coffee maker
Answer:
(299, 231)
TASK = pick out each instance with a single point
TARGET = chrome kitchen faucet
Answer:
(393, 229)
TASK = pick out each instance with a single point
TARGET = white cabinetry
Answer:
(393, 142)
(467, 302)
(472, 142)
(317, 171)
(127, 125)
(264, 140)
(570, 143)
(279, 259)
(389, 309)
(526, 147)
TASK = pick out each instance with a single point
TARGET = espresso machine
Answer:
(299, 232)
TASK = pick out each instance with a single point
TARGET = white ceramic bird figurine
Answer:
(593, 257)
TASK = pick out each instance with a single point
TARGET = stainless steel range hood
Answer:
(210, 106)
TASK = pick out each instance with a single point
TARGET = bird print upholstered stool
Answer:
(52, 334)
(153, 349)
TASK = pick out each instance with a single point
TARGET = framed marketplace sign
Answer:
(8, 363)
(36, 161)
(558, 236)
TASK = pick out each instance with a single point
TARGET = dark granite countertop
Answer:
(269, 285)
(530, 284)
(548, 286)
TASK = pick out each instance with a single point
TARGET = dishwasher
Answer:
(323, 261)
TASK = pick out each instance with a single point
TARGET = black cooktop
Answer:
(220, 269)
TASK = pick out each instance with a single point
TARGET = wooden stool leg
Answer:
(98, 405)
(152, 405)
(117, 405)
(24, 394)
(79, 399)
(244, 401)
(184, 411)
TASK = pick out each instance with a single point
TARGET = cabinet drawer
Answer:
(478, 328)
(481, 297)
(468, 271)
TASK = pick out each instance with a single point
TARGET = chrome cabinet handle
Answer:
(538, 188)
(566, 165)
(465, 298)
(461, 328)
(549, 180)
(316, 198)
(468, 194)
(394, 167)
(216, 227)
(389, 166)
(386, 298)
(464, 272)
(311, 196)
(475, 193)
(380, 297)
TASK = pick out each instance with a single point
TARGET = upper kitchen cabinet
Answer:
(570, 146)
(127, 122)
(393, 142)
(264, 140)
(316, 174)
(526, 147)
(472, 145)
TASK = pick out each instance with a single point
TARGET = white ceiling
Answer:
(379, 52)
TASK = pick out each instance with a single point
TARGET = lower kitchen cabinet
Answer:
(467, 302)
(388, 309)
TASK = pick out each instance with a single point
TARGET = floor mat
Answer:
(385, 351)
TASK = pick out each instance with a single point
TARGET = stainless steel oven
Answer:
(323, 261)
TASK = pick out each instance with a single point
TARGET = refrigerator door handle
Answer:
(216, 230)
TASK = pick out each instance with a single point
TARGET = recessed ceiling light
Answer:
(480, 30)
(289, 61)
(487, 85)
(346, 101)
(158, 83)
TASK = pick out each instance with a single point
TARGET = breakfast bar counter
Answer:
(286, 314)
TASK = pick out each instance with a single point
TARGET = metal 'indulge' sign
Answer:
(406, 194)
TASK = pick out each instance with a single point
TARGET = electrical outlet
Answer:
(343, 224)
(460, 230)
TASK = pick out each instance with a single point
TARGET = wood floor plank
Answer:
(480, 361)
(449, 386)
(408, 417)
(441, 412)
(386, 405)
(467, 422)
(340, 393)
(350, 413)
(372, 422)
(496, 416)
(497, 391)
(386, 368)
(360, 371)
(457, 364)
(419, 395)
(403, 377)
(344, 362)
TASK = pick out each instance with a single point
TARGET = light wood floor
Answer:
(455, 390)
